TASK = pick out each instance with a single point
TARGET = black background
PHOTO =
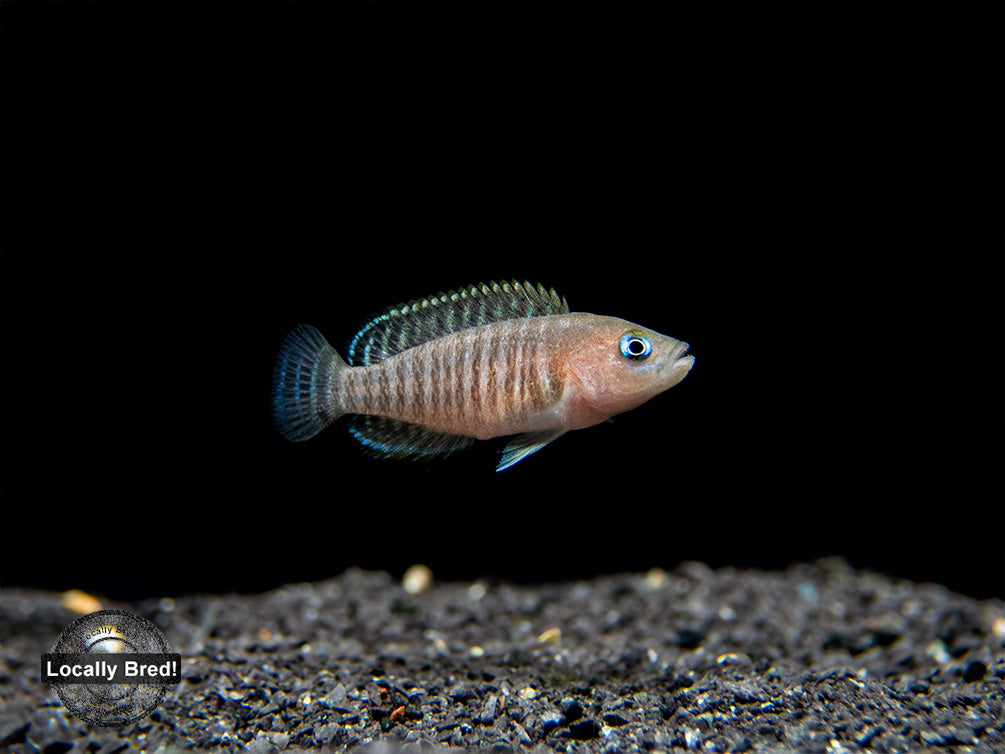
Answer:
(181, 186)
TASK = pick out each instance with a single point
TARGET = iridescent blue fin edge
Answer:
(302, 384)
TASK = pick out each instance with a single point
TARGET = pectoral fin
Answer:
(523, 445)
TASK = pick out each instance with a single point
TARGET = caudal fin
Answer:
(303, 382)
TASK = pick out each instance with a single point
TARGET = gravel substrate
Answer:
(818, 658)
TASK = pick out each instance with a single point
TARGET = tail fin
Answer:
(303, 401)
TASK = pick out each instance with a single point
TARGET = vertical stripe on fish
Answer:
(486, 361)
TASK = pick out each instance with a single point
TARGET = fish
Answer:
(432, 376)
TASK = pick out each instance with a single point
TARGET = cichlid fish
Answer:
(433, 375)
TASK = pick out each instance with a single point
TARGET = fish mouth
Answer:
(677, 364)
(678, 351)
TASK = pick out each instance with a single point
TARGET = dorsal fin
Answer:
(407, 325)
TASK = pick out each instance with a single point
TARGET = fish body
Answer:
(432, 376)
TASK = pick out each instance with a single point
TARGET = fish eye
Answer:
(635, 346)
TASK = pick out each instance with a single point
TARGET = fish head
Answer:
(617, 365)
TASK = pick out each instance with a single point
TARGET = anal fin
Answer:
(524, 445)
(400, 439)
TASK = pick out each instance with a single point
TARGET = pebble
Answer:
(564, 667)
(418, 578)
(550, 636)
(584, 729)
(80, 602)
(974, 672)
(655, 579)
(336, 696)
(551, 719)
(461, 693)
(571, 708)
